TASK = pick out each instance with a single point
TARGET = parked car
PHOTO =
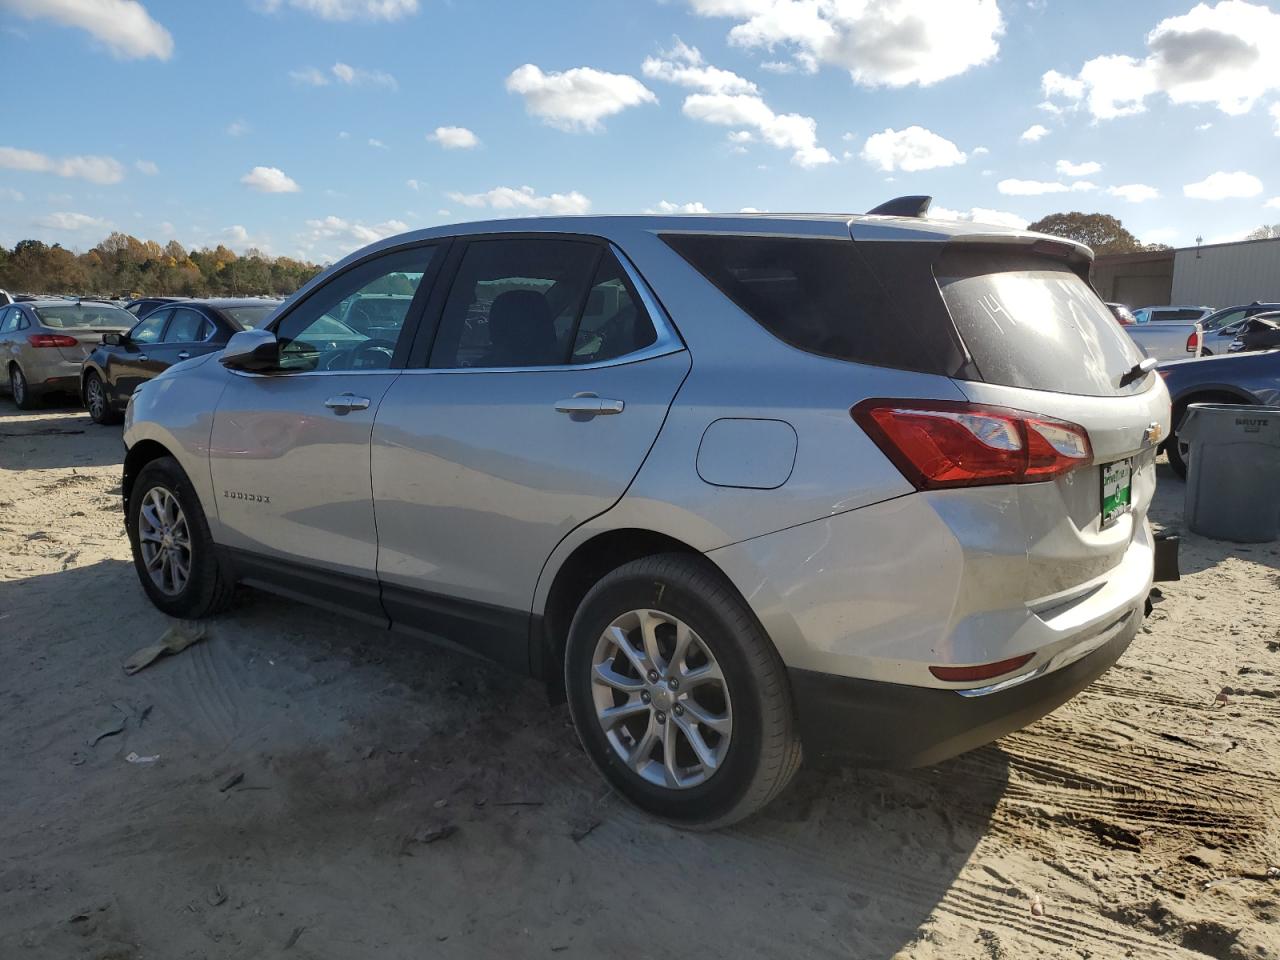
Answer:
(1166, 314)
(1259, 332)
(5, 298)
(163, 337)
(1222, 326)
(1124, 316)
(144, 305)
(43, 343)
(1168, 340)
(1234, 378)
(732, 485)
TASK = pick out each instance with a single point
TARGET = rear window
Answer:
(822, 297)
(251, 317)
(84, 315)
(1032, 322)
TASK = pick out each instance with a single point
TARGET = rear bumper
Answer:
(880, 724)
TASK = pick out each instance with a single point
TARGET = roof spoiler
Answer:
(917, 207)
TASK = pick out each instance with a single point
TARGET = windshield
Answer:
(1032, 322)
(252, 316)
(85, 315)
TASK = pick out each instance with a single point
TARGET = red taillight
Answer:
(943, 443)
(983, 671)
(1193, 342)
(52, 340)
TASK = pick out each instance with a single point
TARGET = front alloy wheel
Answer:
(661, 699)
(19, 388)
(95, 396)
(165, 541)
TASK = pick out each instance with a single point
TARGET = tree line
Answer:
(124, 266)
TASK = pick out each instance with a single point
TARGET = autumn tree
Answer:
(1268, 231)
(1099, 231)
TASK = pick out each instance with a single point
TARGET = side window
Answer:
(515, 303)
(6, 319)
(187, 326)
(613, 322)
(21, 320)
(355, 320)
(149, 330)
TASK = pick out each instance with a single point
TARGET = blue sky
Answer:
(309, 127)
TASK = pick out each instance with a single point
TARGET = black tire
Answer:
(764, 751)
(103, 414)
(24, 397)
(1176, 459)
(208, 588)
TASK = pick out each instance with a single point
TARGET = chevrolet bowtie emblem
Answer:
(1152, 434)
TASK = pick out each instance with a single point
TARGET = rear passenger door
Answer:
(530, 411)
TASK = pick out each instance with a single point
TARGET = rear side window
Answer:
(187, 326)
(1032, 322)
(822, 297)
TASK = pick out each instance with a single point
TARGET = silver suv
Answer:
(872, 485)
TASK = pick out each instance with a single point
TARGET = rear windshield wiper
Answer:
(1139, 370)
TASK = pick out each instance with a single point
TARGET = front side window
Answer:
(149, 330)
(188, 326)
(6, 320)
(338, 327)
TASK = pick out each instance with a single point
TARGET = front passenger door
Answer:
(289, 452)
(131, 363)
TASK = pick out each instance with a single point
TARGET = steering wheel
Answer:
(353, 359)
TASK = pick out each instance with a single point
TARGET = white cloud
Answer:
(443, 213)
(577, 99)
(751, 210)
(1202, 127)
(146, 167)
(1134, 192)
(1274, 110)
(454, 138)
(912, 149)
(361, 77)
(1274, 202)
(343, 135)
(979, 152)
(375, 142)
(270, 180)
(71, 221)
(666, 206)
(346, 9)
(11, 195)
(1000, 218)
(95, 169)
(124, 26)
(786, 131)
(1222, 54)
(683, 65)
(1083, 186)
(886, 43)
(523, 200)
(309, 76)
(1030, 188)
(237, 128)
(1036, 131)
(414, 185)
(331, 234)
(1224, 186)
(1069, 169)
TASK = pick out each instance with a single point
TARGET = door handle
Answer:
(346, 403)
(143, 356)
(584, 406)
(184, 355)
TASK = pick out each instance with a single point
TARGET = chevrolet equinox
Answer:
(871, 486)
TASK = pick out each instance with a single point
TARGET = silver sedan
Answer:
(44, 342)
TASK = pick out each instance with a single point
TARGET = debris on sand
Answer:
(583, 830)
(231, 781)
(116, 726)
(427, 835)
(174, 640)
(1037, 905)
(293, 937)
(135, 758)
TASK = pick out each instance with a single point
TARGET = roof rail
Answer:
(902, 207)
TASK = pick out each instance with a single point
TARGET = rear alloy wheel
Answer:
(22, 396)
(173, 552)
(95, 398)
(680, 699)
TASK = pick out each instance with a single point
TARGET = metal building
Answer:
(1216, 275)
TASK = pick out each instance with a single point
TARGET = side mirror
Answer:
(114, 339)
(253, 350)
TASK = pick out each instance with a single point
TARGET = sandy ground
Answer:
(1139, 820)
